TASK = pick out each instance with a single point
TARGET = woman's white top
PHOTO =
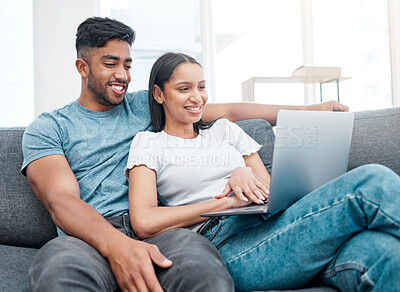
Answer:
(192, 170)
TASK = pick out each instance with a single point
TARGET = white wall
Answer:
(16, 71)
(56, 81)
(394, 19)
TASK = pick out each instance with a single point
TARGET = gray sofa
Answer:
(25, 225)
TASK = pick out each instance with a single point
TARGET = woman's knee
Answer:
(369, 259)
(374, 171)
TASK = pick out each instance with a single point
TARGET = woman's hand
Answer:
(247, 186)
(235, 202)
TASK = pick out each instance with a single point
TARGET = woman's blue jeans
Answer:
(346, 234)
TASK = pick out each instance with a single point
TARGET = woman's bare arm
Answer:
(148, 219)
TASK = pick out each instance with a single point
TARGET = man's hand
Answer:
(328, 106)
(132, 264)
(246, 185)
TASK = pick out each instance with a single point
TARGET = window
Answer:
(264, 38)
(16, 74)
(257, 38)
(245, 38)
(161, 26)
(360, 44)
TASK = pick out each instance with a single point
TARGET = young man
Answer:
(74, 159)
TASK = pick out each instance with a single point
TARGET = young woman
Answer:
(346, 233)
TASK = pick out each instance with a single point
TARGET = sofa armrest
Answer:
(24, 221)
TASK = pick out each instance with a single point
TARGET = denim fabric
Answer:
(69, 264)
(346, 233)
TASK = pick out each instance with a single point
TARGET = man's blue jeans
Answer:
(346, 233)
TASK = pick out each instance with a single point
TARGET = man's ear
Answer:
(158, 94)
(83, 67)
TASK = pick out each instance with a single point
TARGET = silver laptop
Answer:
(311, 149)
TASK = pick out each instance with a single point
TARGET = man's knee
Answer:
(67, 263)
(184, 243)
(197, 265)
(196, 274)
(203, 274)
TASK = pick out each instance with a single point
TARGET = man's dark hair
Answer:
(95, 32)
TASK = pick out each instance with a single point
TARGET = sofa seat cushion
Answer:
(15, 262)
(261, 131)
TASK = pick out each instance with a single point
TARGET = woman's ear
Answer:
(158, 94)
(83, 67)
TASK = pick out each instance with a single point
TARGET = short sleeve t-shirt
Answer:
(95, 144)
(192, 170)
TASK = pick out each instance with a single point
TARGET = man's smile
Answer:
(118, 88)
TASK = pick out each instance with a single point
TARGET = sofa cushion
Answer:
(376, 138)
(15, 262)
(23, 219)
(261, 131)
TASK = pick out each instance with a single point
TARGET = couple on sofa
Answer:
(346, 233)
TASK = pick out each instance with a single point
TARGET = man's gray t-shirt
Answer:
(95, 144)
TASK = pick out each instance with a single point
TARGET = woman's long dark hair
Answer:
(160, 74)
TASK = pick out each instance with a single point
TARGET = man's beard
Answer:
(100, 91)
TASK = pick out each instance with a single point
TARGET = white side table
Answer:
(248, 85)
